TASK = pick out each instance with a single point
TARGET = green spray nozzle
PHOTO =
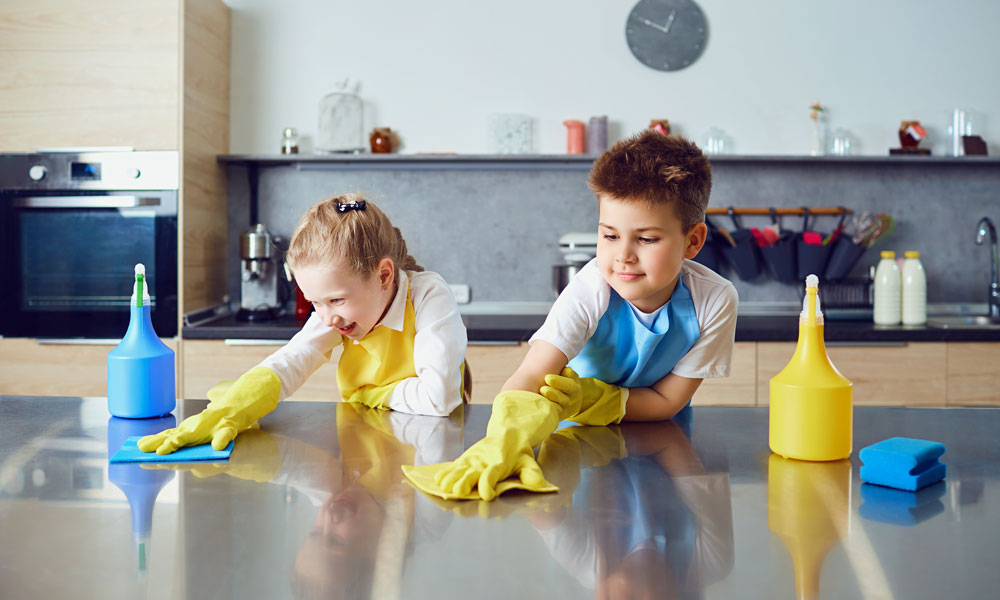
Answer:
(140, 296)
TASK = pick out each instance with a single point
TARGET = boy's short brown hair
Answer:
(656, 169)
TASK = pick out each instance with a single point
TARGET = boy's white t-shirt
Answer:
(575, 314)
(438, 348)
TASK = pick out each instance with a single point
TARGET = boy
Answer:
(641, 316)
(640, 326)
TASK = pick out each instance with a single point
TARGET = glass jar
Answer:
(341, 117)
(290, 141)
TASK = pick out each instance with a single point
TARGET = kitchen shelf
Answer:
(577, 162)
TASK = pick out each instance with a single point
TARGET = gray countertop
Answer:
(313, 504)
(516, 321)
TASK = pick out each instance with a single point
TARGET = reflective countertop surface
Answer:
(313, 505)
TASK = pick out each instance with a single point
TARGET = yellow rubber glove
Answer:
(560, 456)
(255, 458)
(590, 401)
(373, 396)
(233, 408)
(519, 422)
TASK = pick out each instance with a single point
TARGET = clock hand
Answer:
(670, 21)
(645, 21)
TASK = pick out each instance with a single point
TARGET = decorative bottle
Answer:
(141, 367)
(811, 405)
(914, 290)
(888, 297)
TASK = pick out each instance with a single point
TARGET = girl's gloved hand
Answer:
(373, 396)
(233, 408)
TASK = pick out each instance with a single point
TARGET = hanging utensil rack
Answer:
(715, 210)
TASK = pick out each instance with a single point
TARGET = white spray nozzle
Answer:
(140, 270)
(812, 282)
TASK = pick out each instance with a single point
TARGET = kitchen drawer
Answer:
(491, 366)
(30, 368)
(207, 362)
(973, 373)
(905, 374)
(740, 388)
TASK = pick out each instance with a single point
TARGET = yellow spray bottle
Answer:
(811, 402)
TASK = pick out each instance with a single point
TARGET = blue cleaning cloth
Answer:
(902, 463)
(900, 507)
(129, 452)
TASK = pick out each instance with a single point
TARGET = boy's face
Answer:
(640, 250)
(352, 304)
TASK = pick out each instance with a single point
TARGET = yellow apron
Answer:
(371, 368)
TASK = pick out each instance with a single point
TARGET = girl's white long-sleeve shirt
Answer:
(438, 348)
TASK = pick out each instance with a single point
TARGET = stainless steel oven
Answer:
(74, 224)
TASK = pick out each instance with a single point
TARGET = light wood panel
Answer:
(96, 73)
(31, 369)
(910, 375)
(207, 362)
(740, 388)
(491, 366)
(204, 134)
(973, 373)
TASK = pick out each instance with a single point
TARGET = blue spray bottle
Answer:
(141, 367)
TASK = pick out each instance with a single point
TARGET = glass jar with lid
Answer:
(290, 141)
(341, 121)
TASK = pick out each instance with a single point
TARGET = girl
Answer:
(403, 337)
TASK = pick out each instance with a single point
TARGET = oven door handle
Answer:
(86, 201)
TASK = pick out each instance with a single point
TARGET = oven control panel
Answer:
(104, 171)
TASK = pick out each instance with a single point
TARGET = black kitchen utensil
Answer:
(811, 258)
(744, 257)
(780, 257)
(710, 254)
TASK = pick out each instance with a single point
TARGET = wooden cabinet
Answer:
(207, 362)
(28, 368)
(150, 75)
(491, 366)
(740, 388)
(907, 374)
(973, 373)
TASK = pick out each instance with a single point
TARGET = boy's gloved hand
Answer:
(588, 401)
(373, 396)
(519, 422)
(233, 408)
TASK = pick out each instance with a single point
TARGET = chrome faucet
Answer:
(984, 227)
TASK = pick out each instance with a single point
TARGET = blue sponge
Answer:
(903, 463)
(129, 452)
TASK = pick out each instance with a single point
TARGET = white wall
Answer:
(433, 70)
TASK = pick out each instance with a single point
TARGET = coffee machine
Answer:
(577, 249)
(262, 289)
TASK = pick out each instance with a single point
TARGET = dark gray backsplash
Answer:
(498, 230)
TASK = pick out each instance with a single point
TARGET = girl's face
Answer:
(351, 303)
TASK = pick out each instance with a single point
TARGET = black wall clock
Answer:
(666, 35)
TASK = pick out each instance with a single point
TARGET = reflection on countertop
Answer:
(314, 503)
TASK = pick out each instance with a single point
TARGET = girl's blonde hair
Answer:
(358, 237)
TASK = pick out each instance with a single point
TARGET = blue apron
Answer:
(625, 352)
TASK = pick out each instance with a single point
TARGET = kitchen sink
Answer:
(964, 322)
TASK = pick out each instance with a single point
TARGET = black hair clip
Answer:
(343, 207)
